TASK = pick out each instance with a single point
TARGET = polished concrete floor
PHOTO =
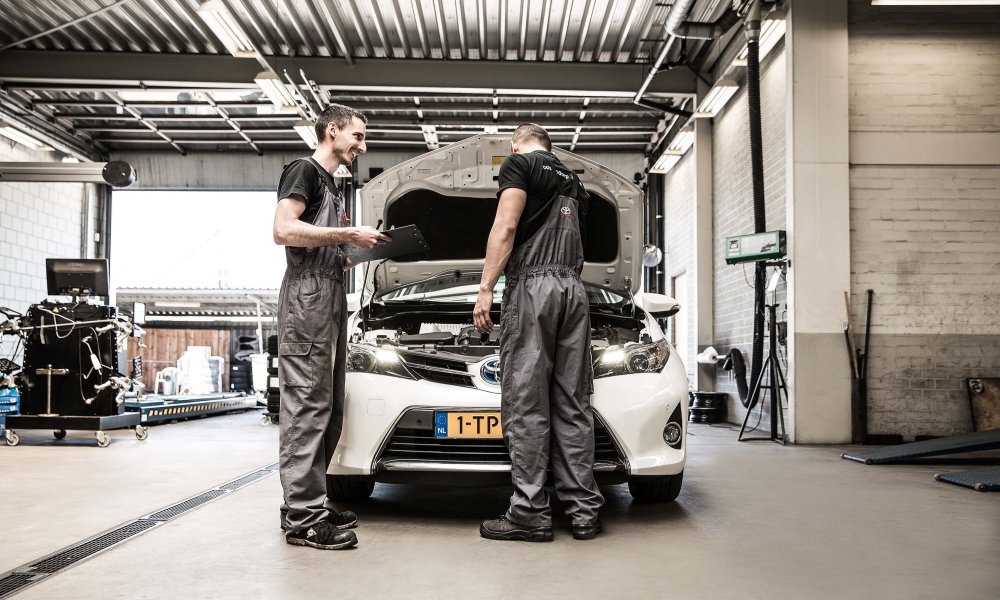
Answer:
(754, 520)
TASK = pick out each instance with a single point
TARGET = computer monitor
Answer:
(77, 276)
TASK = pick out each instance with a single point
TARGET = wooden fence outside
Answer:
(165, 346)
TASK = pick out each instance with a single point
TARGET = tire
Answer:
(664, 488)
(349, 489)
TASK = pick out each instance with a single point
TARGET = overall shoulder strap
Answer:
(324, 175)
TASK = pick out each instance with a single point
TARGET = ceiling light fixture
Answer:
(684, 139)
(667, 160)
(276, 91)
(22, 138)
(717, 98)
(227, 29)
(306, 131)
(430, 136)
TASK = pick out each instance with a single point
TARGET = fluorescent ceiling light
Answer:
(276, 91)
(491, 129)
(227, 29)
(935, 2)
(771, 32)
(430, 136)
(684, 139)
(306, 131)
(21, 138)
(666, 161)
(717, 98)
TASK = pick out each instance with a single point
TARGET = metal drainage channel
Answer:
(16, 580)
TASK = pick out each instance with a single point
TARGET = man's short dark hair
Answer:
(339, 115)
(530, 131)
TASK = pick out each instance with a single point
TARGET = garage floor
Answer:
(754, 520)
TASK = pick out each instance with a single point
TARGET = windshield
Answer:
(463, 286)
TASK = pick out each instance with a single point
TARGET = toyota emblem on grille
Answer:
(490, 371)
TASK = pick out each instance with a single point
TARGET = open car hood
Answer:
(450, 194)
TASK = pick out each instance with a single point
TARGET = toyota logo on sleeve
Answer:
(490, 371)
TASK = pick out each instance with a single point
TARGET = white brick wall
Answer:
(925, 238)
(679, 256)
(733, 210)
(924, 70)
(37, 221)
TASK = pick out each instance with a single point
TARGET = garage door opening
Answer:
(194, 239)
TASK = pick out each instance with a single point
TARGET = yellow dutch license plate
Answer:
(483, 425)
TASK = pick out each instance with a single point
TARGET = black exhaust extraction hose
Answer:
(752, 29)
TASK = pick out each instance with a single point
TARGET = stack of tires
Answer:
(273, 391)
(240, 366)
(707, 407)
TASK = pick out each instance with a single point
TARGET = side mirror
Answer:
(354, 302)
(659, 305)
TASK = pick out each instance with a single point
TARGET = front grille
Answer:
(438, 369)
(419, 444)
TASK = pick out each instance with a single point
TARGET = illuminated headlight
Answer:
(637, 358)
(365, 358)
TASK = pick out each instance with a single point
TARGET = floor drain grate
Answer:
(16, 580)
(84, 550)
(11, 584)
(273, 467)
(245, 480)
(182, 507)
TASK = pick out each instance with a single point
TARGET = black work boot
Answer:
(340, 520)
(587, 531)
(324, 536)
(505, 529)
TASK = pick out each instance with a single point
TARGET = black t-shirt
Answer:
(301, 179)
(543, 177)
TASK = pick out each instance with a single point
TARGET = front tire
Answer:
(661, 488)
(349, 489)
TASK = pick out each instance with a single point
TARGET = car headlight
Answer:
(380, 360)
(637, 358)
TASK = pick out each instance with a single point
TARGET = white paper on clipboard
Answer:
(405, 240)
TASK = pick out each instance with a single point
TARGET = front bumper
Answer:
(388, 430)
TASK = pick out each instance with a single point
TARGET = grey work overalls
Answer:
(546, 373)
(312, 346)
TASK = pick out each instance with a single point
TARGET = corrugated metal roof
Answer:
(147, 74)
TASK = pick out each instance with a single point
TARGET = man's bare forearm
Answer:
(305, 235)
(498, 250)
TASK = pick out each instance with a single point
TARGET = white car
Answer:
(423, 393)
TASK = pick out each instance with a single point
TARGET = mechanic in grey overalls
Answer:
(546, 374)
(312, 320)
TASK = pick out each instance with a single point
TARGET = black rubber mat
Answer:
(982, 480)
(954, 444)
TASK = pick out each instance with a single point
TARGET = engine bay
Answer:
(435, 331)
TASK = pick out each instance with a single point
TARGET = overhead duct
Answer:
(115, 173)
(703, 31)
(677, 26)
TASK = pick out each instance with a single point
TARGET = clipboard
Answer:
(405, 240)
